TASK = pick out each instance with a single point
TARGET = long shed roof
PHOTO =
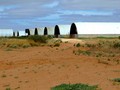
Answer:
(6, 32)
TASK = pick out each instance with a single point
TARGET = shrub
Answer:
(78, 45)
(13, 46)
(98, 54)
(26, 45)
(116, 45)
(58, 41)
(50, 37)
(33, 43)
(40, 39)
(119, 37)
(75, 87)
(8, 89)
(56, 44)
(116, 80)
(66, 41)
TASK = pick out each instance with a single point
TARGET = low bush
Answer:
(119, 37)
(40, 39)
(26, 45)
(50, 36)
(58, 41)
(75, 87)
(56, 44)
(116, 80)
(116, 45)
(78, 45)
(13, 46)
(8, 89)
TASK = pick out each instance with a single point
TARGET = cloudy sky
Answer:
(21, 14)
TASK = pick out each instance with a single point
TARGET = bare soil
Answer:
(43, 67)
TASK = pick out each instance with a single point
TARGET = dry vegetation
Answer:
(23, 42)
(59, 64)
(106, 51)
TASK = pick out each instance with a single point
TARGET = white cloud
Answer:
(32, 13)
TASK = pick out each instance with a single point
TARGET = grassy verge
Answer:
(23, 42)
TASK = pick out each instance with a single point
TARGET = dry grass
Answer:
(37, 66)
(106, 51)
(17, 43)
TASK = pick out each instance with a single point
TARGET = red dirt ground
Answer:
(40, 68)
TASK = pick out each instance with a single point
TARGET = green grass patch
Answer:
(7, 89)
(75, 87)
(77, 45)
(116, 80)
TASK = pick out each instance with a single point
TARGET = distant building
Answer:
(89, 29)
(22, 33)
(61, 30)
(6, 32)
(32, 31)
(50, 30)
(80, 29)
(41, 31)
(16, 33)
(95, 29)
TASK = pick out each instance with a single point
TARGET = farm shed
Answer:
(6, 32)
(50, 30)
(22, 33)
(16, 33)
(95, 29)
(61, 30)
(32, 31)
(40, 31)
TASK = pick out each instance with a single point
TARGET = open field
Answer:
(29, 65)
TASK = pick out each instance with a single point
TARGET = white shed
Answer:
(62, 30)
(32, 31)
(50, 30)
(16, 33)
(22, 33)
(95, 28)
(40, 31)
(6, 32)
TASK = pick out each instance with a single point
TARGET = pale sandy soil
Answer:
(40, 68)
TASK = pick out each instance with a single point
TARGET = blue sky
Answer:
(21, 14)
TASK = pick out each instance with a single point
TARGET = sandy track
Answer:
(40, 68)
